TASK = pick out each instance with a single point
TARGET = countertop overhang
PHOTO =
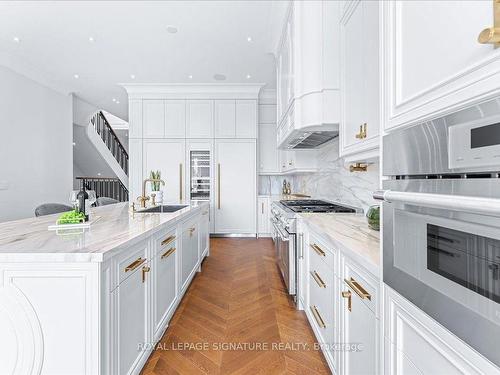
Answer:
(30, 240)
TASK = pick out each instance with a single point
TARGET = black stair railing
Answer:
(110, 187)
(110, 139)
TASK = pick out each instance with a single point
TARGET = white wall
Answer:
(36, 152)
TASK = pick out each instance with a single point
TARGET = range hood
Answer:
(308, 140)
(310, 137)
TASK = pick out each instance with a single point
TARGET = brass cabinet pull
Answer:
(362, 131)
(318, 279)
(168, 253)
(180, 181)
(136, 263)
(167, 240)
(360, 291)
(145, 270)
(360, 134)
(318, 250)
(491, 35)
(218, 186)
(348, 295)
(318, 317)
(191, 230)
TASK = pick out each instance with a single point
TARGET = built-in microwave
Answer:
(441, 221)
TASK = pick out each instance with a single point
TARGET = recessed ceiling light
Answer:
(114, 99)
(76, 76)
(249, 76)
(117, 102)
(98, 174)
(132, 76)
(74, 143)
(190, 76)
(219, 77)
(16, 39)
(91, 39)
(172, 29)
(249, 38)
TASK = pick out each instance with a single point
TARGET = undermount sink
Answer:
(162, 209)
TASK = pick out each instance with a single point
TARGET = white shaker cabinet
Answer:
(360, 124)
(246, 118)
(360, 324)
(204, 233)
(414, 343)
(263, 216)
(235, 118)
(153, 112)
(189, 252)
(164, 282)
(175, 118)
(268, 150)
(199, 118)
(135, 118)
(132, 323)
(235, 201)
(167, 156)
(435, 66)
(225, 118)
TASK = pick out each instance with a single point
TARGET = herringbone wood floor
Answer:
(238, 297)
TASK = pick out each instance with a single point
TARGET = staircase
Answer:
(105, 187)
(101, 158)
(110, 139)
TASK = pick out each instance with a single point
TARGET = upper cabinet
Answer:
(435, 66)
(246, 118)
(307, 65)
(225, 119)
(360, 99)
(200, 119)
(235, 118)
(164, 118)
(153, 112)
(175, 118)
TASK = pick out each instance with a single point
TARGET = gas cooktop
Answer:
(314, 205)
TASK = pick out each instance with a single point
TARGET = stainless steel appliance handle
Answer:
(280, 233)
(301, 244)
(463, 203)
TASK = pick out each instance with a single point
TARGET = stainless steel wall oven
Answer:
(441, 222)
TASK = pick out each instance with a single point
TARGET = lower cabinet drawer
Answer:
(320, 252)
(321, 305)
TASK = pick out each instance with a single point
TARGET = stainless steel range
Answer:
(284, 219)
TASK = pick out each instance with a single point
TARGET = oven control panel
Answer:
(475, 145)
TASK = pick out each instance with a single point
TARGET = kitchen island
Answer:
(94, 301)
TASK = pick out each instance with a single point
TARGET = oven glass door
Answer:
(448, 264)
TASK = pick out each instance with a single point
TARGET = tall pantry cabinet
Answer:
(203, 140)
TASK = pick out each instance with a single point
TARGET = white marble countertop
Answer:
(30, 240)
(351, 233)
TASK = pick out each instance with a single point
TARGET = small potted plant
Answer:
(155, 186)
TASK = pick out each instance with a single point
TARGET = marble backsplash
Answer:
(333, 181)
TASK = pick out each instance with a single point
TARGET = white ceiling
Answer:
(131, 37)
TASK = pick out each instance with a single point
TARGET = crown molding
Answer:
(193, 90)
